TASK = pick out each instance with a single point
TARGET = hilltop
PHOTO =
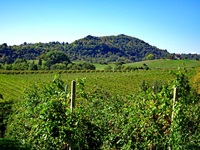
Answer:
(114, 48)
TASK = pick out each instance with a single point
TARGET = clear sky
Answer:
(167, 24)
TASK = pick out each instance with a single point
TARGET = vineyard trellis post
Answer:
(73, 95)
(175, 98)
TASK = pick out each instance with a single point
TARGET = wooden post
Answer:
(175, 98)
(73, 95)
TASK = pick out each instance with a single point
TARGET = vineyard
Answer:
(113, 110)
(13, 83)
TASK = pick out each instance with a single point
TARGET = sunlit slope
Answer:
(167, 64)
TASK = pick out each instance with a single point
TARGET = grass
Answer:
(166, 63)
(99, 66)
(157, 64)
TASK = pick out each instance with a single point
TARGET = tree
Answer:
(150, 57)
(5, 45)
(40, 62)
(58, 66)
(54, 57)
(20, 64)
(33, 66)
(108, 68)
(88, 66)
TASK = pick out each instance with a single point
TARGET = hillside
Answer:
(113, 48)
(92, 49)
(166, 64)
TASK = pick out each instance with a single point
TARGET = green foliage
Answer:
(13, 83)
(40, 62)
(81, 66)
(149, 57)
(108, 68)
(92, 49)
(20, 64)
(155, 85)
(166, 64)
(33, 66)
(10, 144)
(88, 66)
(5, 110)
(146, 120)
(186, 121)
(42, 120)
(54, 58)
(58, 66)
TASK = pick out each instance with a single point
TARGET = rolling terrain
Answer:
(91, 49)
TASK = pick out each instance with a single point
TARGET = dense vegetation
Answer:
(91, 49)
(146, 120)
(52, 60)
(121, 106)
(114, 48)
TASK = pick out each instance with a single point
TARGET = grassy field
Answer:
(167, 64)
(157, 64)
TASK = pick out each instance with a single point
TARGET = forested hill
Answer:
(91, 49)
(114, 48)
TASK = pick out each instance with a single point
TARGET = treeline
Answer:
(52, 60)
(92, 49)
(57, 60)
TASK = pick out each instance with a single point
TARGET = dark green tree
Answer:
(108, 68)
(40, 62)
(88, 66)
(33, 66)
(20, 64)
(54, 57)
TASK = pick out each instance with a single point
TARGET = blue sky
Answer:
(167, 24)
